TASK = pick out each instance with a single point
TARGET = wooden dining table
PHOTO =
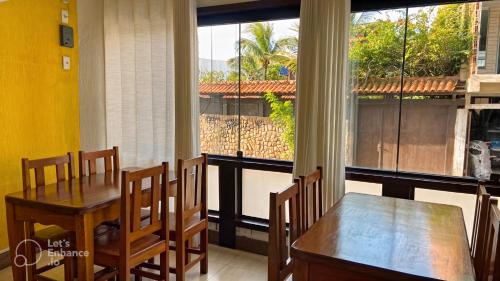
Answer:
(78, 205)
(365, 237)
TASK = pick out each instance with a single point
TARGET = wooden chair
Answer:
(127, 249)
(311, 193)
(490, 267)
(279, 263)
(88, 160)
(481, 217)
(191, 215)
(53, 232)
(88, 166)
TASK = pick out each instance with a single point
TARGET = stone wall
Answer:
(260, 137)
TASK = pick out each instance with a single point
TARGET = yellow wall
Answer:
(38, 99)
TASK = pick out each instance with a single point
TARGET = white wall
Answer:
(256, 188)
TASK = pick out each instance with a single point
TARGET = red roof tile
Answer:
(412, 85)
(249, 89)
(286, 88)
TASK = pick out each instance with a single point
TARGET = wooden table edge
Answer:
(67, 210)
(354, 266)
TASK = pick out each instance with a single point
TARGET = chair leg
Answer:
(188, 256)
(68, 269)
(75, 268)
(204, 249)
(164, 266)
(124, 273)
(138, 277)
(180, 258)
(30, 251)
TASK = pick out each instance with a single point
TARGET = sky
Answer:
(218, 42)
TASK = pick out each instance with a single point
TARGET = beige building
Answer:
(486, 76)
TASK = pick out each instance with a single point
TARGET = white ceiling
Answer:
(206, 3)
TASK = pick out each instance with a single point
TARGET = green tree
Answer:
(261, 52)
(290, 46)
(250, 68)
(376, 48)
(282, 114)
(212, 76)
(439, 40)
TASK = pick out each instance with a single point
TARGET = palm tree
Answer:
(290, 46)
(250, 68)
(260, 51)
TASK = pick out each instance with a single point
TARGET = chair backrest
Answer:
(311, 190)
(88, 160)
(279, 262)
(39, 166)
(191, 196)
(481, 217)
(133, 199)
(491, 264)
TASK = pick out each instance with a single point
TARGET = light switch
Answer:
(66, 63)
(65, 16)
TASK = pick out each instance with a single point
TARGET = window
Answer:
(483, 31)
(247, 88)
(247, 102)
(411, 71)
(219, 110)
(439, 42)
(376, 57)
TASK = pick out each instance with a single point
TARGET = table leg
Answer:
(30, 251)
(16, 235)
(84, 229)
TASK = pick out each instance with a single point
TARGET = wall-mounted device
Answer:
(66, 36)
(65, 16)
(66, 63)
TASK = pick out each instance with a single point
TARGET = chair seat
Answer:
(52, 233)
(107, 247)
(189, 223)
(57, 233)
(145, 214)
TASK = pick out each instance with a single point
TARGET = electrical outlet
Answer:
(65, 16)
(66, 63)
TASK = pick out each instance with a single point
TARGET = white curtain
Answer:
(321, 89)
(142, 115)
(187, 143)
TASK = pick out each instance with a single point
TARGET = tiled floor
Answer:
(224, 265)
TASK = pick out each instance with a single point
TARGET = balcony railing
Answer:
(394, 184)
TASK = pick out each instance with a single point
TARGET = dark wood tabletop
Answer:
(78, 195)
(388, 239)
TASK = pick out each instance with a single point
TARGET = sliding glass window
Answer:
(247, 102)
(376, 49)
(425, 90)
(247, 88)
(219, 103)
